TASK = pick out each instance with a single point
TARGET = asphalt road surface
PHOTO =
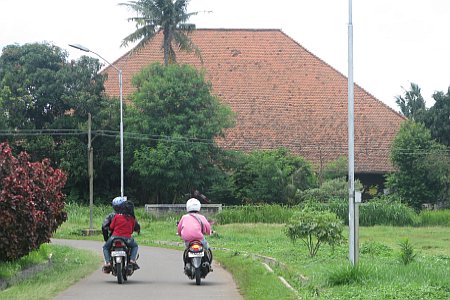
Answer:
(161, 276)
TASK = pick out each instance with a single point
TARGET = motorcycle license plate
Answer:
(196, 254)
(118, 253)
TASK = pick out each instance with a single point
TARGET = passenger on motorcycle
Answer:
(193, 226)
(120, 224)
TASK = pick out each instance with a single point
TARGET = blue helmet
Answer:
(118, 201)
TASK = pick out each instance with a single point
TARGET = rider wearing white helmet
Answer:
(193, 226)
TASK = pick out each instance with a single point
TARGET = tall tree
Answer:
(413, 180)
(43, 93)
(168, 16)
(438, 118)
(178, 120)
(412, 103)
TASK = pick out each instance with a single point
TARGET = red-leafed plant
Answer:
(31, 203)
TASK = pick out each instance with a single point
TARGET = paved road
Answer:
(160, 277)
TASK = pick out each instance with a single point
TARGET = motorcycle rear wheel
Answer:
(119, 273)
(198, 276)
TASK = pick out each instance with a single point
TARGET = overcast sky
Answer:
(396, 42)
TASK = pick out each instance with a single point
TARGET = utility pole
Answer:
(352, 209)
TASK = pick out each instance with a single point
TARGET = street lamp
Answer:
(82, 48)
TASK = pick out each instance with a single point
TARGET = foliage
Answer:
(407, 253)
(336, 188)
(49, 99)
(435, 218)
(437, 118)
(335, 169)
(384, 210)
(437, 164)
(10, 268)
(412, 181)
(68, 265)
(272, 176)
(31, 203)
(168, 16)
(412, 105)
(375, 248)
(274, 213)
(427, 278)
(314, 228)
(173, 106)
(379, 211)
(348, 275)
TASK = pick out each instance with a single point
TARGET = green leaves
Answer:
(314, 228)
(415, 180)
(173, 105)
(272, 176)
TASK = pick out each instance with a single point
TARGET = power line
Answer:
(360, 147)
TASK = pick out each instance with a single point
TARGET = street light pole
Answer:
(352, 208)
(119, 71)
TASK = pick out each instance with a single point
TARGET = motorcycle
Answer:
(197, 261)
(120, 260)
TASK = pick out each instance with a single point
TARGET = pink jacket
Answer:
(189, 227)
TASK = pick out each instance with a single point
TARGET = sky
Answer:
(395, 42)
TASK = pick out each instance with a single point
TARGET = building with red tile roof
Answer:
(284, 96)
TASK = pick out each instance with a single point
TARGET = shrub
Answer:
(314, 228)
(336, 188)
(407, 253)
(387, 211)
(435, 217)
(254, 214)
(348, 275)
(379, 211)
(374, 248)
(31, 203)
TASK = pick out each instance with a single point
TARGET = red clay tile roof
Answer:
(283, 95)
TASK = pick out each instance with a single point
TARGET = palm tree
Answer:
(168, 16)
(413, 104)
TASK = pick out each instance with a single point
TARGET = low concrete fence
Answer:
(159, 210)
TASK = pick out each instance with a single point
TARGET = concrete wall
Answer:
(163, 209)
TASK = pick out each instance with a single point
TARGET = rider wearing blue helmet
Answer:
(121, 214)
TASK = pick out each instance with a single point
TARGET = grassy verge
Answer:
(326, 276)
(67, 267)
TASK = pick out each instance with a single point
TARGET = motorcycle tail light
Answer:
(196, 247)
(118, 244)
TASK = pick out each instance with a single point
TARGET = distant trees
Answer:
(422, 151)
(416, 180)
(45, 101)
(412, 103)
(174, 108)
(437, 118)
(271, 176)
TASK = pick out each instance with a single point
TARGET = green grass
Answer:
(435, 218)
(67, 267)
(254, 280)
(326, 276)
(9, 269)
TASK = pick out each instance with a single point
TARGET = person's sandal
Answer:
(135, 266)
(106, 269)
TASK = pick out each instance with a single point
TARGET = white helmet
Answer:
(193, 205)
